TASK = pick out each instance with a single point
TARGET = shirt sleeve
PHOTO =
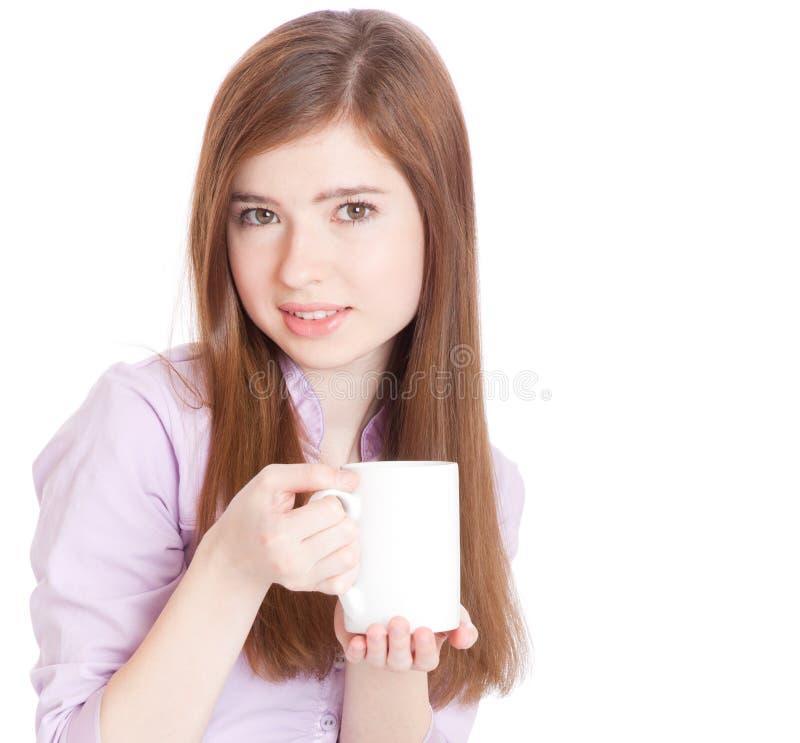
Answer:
(106, 553)
(453, 723)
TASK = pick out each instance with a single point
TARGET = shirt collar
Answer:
(309, 409)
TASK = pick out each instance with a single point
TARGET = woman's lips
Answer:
(315, 328)
(310, 306)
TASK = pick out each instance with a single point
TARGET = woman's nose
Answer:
(306, 256)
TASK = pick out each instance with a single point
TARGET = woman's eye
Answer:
(258, 216)
(357, 211)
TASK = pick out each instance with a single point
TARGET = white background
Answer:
(636, 170)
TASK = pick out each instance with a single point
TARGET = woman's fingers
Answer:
(357, 649)
(426, 650)
(331, 540)
(376, 645)
(394, 648)
(466, 634)
(399, 657)
(340, 566)
(307, 477)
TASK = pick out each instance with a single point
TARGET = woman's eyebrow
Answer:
(333, 193)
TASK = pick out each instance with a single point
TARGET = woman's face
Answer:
(291, 239)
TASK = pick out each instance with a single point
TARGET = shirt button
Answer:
(329, 721)
(338, 661)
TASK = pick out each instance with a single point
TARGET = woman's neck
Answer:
(348, 397)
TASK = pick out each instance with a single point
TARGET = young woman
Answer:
(186, 589)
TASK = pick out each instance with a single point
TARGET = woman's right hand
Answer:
(263, 539)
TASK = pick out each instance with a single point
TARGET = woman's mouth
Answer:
(316, 315)
(315, 324)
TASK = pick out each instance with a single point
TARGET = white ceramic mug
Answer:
(410, 538)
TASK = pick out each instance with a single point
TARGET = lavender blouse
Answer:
(117, 485)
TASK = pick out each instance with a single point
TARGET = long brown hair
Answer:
(381, 73)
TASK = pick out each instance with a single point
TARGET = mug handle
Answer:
(352, 599)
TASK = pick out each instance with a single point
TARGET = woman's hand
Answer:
(262, 539)
(397, 650)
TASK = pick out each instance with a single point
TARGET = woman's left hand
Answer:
(395, 648)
